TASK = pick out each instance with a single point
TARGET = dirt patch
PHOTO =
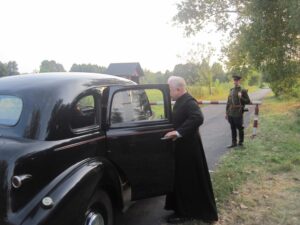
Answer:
(270, 199)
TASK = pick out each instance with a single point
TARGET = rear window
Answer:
(10, 110)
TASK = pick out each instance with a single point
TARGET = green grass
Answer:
(270, 163)
(155, 95)
(275, 149)
(219, 91)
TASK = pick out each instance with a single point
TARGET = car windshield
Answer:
(10, 110)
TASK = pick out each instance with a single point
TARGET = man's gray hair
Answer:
(177, 82)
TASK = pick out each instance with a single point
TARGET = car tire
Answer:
(100, 210)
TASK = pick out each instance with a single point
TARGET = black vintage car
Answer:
(77, 147)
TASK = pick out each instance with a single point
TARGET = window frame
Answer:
(21, 112)
(166, 99)
(97, 102)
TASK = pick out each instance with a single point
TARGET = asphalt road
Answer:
(215, 133)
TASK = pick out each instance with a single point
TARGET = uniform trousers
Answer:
(236, 123)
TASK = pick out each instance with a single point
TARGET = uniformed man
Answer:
(235, 107)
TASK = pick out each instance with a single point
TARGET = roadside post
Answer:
(255, 121)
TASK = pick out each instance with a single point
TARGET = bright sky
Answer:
(94, 31)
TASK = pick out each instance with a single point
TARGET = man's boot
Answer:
(233, 145)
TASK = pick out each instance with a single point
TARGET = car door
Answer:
(134, 131)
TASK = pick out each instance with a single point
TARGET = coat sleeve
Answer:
(194, 118)
(245, 97)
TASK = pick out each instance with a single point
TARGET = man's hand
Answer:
(171, 135)
(240, 94)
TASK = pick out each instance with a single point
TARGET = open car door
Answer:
(136, 124)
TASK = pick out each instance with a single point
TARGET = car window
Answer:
(156, 100)
(10, 110)
(84, 113)
(133, 105)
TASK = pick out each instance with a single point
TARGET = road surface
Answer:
(215, 133)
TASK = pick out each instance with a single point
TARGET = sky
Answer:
(95, 31)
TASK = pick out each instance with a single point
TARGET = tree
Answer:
(188, 71)
(8, 69)
(254, 78)
(205, 74)
(238, 59)
(3, 70)
(218, 73)
(51, 66)
(155, 77)
(88, 68)
(276, 49)
(197, 14)
(12, 68)
(265, 35)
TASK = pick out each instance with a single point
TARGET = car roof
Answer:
(55, 80)
(47, 99)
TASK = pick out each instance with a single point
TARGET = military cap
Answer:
(236, 77)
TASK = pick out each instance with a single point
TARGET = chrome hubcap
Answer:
(94, 218)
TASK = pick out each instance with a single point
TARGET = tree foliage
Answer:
(155, 77)
(8, 69)
(218, 73)
(3, 70)
(51, 66)
(273, 42)
(265, 35)
(196, 14)
(12, 68)
(88, 68)
(254, 78)
(189, 71)
(205, 74)
(194, 73)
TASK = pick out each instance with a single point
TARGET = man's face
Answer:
(236, 82)
(174, 92)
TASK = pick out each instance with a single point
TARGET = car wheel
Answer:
(100, 211)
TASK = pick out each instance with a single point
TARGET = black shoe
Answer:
(210, 222)
(240, 146)
(233, 145)
(178, 220)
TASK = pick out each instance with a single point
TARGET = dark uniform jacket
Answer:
(193, 194)
(235, 105)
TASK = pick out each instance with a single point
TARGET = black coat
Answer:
(193, 194)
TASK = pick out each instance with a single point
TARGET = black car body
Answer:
(76, 146)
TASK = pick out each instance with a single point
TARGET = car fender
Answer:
(67, 195)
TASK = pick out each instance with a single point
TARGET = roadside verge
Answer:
(260, 183)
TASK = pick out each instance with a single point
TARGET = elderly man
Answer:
(192, 197)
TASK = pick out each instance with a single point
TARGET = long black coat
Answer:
(193, 194)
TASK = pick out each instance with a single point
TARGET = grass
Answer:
(260, 184)
(155, 95)
(219, 91)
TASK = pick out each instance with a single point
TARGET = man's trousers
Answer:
(236, 123)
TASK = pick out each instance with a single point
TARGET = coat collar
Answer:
(183, 98)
